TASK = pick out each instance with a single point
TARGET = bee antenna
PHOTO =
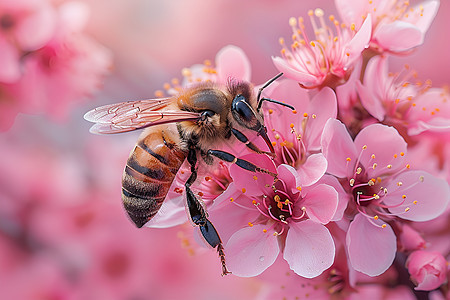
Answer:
(260, 100)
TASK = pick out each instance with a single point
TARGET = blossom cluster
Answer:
(48, 62)
(362, 163)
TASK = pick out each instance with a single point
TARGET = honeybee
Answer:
(194, 121)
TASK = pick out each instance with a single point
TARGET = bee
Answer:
(186, 126)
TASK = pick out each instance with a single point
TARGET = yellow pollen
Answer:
(281, 41)
(310, 13)
(280, 205)
(277, 136)
(383, 226)
(374, 166)
(395, 155)
(408, 166)
(403, 196)
(305, 115)
(318, 12)
(364, 147)
(250, 224)
(255, 177)
(207, 178)
(399, 183)
(231, 199)
(389, 166)
(244, 190)
(358, 170)
(303, 208)
(299, 188)
(294, 111)
(186, 72)
(414, 105)
(331, 18)
(270, 111)
(292, 21)
(348, 159)
(415, 202)
(274, 143)
(286, 202)
(376, 217)
(376, 196)
(379, 179)
(312, 44)
(275, 234)
(264, 230)
(407, 209)
(292, 125)
(166, 86)
(352, 182)
(348, 54)
(254, 202)
(373, 156)
(421, 178)
(159, 94)
(335, 39)
(276, 198)
(397, 101)
(353, 27)
(314, 116)
(402, 153)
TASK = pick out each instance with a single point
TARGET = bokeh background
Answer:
(63, 231)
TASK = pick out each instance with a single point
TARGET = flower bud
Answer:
(427, 269)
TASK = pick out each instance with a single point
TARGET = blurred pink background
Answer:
(63, 231)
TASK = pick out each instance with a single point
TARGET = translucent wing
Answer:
(133, 115)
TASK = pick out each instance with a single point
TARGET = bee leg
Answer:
(244, 164)
(243, 139)
(199, 216)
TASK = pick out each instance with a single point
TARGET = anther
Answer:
(352, 182)
(383, 226)
(243, 190)
(250, 224)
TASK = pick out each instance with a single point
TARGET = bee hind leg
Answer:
(199, 216)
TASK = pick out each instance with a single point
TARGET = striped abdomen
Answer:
(147, 177)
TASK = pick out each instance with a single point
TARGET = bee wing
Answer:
(133, 115)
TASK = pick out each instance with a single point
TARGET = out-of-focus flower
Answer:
(397, 27)
(428, 269)
(409, 239)
(268, 218)
(383, 190)
(24, 26)
(392, 99)
(328, 59)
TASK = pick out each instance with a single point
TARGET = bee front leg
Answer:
(244, 164)
(199, 215)
(243, 139)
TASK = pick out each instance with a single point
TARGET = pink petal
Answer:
(313, 169)
(337, 146)
(254, 184)
(398, 36)
(9, 62)
(302, 77)
(343, 196)
(231, 61)
(241, 211)
(309, 248)
(323, 106)
(371, 103)
(250, 251)
(375, 137)
(371, 249)
(290, 177)
(321, 203)
(434, 125)
(42, 23)
(171, 213)
(360, 41)
(351, 10)
(430, 8)
(431, 193)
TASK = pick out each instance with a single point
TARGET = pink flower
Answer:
(410, 239)
(396, 26)
(24, 26)
(268, 218)
(328, 59)
(428, 269)
(391, 98)
(295, 135)
(69, 68)
(374, 172)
